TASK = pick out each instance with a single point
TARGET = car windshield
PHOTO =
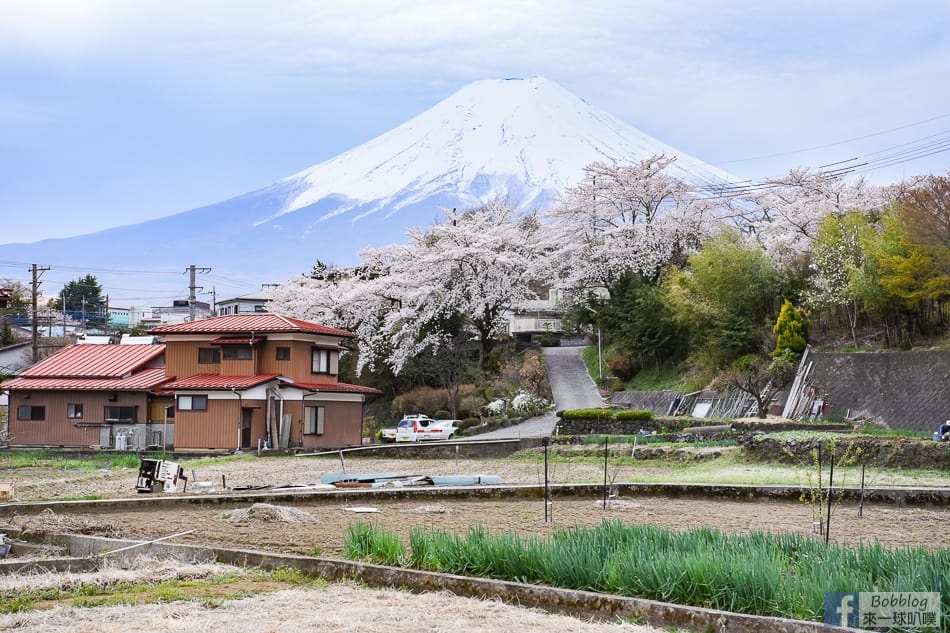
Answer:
(404, 424)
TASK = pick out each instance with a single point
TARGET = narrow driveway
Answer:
(572, 386)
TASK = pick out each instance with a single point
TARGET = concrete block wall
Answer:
(905, 390)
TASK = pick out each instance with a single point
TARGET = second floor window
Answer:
(237, 352)
(321, 361)
(283, 353)
(208, 355)
(74, 411)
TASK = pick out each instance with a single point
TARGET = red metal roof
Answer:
(147, 379)
(94, 361)
(249, 323)
(214, 381)
(332, 387)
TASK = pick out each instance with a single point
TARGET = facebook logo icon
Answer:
(841, 609)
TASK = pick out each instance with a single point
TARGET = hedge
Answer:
(586, 414)
(634, 414)
(602, 414)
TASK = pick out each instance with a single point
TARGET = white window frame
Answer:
(314, 420)
(187, 403)
(320, 361)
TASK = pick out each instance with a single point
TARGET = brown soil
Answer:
(324, 534)
(323, 526)
(315, 527)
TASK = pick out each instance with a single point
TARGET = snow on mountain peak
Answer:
(521, 138)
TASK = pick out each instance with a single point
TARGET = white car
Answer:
(420, 428)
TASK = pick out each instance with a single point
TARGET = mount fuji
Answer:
(521, 139)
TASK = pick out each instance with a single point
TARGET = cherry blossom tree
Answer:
(786, 213)
(474, 263)
(622, 219)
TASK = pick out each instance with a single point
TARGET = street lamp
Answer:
(600, 354)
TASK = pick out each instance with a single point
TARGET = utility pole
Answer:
(35, 291)
(193, 289)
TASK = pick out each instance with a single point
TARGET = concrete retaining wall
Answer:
(897, 496)
(582, 604)
(905, 390)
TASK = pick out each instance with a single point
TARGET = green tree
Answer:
(637, 322)
(725, 299)
(913, 254)
(83, 294)
(789, 331)
(6, 333)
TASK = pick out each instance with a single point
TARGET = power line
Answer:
(836, 143)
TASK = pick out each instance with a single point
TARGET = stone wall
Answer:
(611, 426)
(904, 390)
(890, 452)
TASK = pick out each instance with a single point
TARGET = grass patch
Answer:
(800, 435)
(650, 440)
(668, 377)
(733, 467)
(211, 591)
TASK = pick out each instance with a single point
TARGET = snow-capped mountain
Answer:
(522, 139)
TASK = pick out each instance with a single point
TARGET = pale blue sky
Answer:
(117, 111)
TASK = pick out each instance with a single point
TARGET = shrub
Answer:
(371, 426)
(549, 341)
(442, 414)
(634, 414)
(527, 404)
(468, 423)
(586, 414)
(496, 407)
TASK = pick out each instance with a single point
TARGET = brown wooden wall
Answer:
(343, 424)
(298, 367)
(181, 361)
(218, 426)
(56, 429)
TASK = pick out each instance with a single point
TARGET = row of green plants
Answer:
(762, 573)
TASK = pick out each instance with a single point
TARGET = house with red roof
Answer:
(92, 395)
(245, 379)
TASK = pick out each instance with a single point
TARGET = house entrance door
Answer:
(246, 417)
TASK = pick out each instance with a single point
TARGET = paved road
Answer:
(572, 386)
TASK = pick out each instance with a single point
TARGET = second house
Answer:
(249, 379)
